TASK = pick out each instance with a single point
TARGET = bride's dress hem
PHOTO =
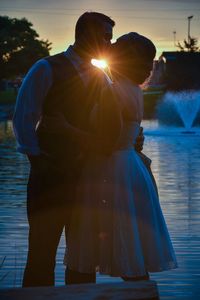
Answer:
(169, 266)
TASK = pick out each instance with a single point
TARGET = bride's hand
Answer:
(139, 141)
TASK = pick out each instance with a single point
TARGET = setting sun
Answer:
(101, 64)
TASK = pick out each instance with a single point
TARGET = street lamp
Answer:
(189, 18)
(174, 33)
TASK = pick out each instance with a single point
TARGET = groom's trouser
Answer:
(49, 196)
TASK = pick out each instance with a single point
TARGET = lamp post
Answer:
(174, 33)
(189, 19)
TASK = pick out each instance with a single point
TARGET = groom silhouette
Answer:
(59, 83)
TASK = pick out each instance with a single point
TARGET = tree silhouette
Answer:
(190, 46)
(19, 46)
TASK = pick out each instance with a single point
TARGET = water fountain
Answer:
(179, 113)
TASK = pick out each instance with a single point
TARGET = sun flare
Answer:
(101, 64)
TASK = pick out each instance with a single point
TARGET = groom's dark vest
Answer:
(69, 95)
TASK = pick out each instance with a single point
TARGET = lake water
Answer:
(176, 165)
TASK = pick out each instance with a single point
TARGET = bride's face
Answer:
(136, 70)
(142, 71)
(131, 64)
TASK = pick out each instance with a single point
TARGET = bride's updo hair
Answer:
(132, 56)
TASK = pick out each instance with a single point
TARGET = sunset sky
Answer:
(157, 19)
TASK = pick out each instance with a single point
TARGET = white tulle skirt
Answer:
(117, 224)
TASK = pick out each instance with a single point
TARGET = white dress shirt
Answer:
(30, 100)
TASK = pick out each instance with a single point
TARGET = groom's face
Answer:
(103, 39)
(107, 34)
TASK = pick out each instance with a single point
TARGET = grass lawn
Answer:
(150, 101)
(7, 97)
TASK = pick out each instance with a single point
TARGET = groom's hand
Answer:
(54, 124)
(139, 141)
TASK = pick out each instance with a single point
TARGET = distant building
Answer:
(155, 80)
(179, 70)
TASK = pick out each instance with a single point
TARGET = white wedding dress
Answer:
(117, 224)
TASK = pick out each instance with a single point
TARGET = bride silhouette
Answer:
(117, 226)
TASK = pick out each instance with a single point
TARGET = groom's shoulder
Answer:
(60, 65)
(58, 58)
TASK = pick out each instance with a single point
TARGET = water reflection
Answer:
(176, 165)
